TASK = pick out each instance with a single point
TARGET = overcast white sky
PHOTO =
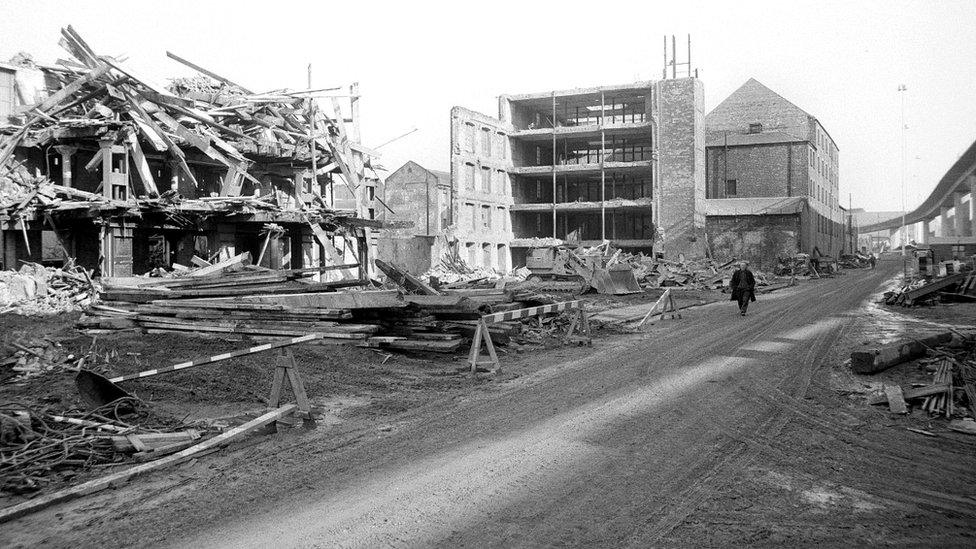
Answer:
(841, 61)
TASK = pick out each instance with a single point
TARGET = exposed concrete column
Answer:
(946, 229)
(66, 153)
(972, 206)
(924, 237)
(960, 219)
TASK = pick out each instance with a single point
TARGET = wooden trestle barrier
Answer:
(482, 335)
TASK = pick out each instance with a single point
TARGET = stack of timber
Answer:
(233, 297)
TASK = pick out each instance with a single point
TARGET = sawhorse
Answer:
(286, 368)
(482, 335)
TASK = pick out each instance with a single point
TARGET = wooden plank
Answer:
(217, 268)
(913, 393)
(404, 279)
(896, 401)
(415, 345)
(142, 166)
(204, 71)
(302, 327)
(107, 481)
(912, 295)
(74, 87)
(875, 360)
(368, 299)
(200, 262)
(331, 253)
(200, 328)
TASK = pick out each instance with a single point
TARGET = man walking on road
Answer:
(743, 287)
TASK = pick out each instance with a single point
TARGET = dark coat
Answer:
(750, 281)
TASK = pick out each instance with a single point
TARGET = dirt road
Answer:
(712, 430)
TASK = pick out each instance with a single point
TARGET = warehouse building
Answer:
(773, 174)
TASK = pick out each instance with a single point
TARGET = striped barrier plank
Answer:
(218, 358)
(531, 311)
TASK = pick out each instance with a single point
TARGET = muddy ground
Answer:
(693, 469)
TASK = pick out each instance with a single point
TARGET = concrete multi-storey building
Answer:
(622, 163)
(773, 175)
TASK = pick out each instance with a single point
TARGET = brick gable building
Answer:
(772, 179)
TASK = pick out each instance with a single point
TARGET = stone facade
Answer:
(480, 159)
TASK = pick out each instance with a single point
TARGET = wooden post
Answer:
(581, 322)
(105, 149)
(66, 153)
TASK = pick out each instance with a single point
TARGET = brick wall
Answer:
(681, 166)
(752, 103)
(480, 158)
(759, 170)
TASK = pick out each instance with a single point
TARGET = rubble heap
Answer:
(97, 101)
(36, 290)
(921, 290)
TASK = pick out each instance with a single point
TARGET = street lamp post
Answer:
(904, 229)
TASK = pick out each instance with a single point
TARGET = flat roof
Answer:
(640, 85)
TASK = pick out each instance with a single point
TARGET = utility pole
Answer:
(904, 229)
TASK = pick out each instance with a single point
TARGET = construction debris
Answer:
(920, 290)
(172, 459)
(272, 164)
(872, 361)
(953, 367)
(40, 447)
(35, 290)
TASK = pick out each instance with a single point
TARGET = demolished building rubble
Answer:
(151, 176)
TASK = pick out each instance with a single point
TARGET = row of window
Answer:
(485, 217)
(827, 227)
(485, 180)
(587, 115)
(487, 255)
(487, 142)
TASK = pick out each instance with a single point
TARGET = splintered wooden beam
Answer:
(110, 480)
(332, 254)
(142, 166)
(217, 268)
(206, 72)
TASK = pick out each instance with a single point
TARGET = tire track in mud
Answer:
(751, 444)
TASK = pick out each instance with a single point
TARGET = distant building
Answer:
(418, 195)
(622, 163)
(418, 213)
(772, 179)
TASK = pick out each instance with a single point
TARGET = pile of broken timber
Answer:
(105, 96)
(916, 292)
